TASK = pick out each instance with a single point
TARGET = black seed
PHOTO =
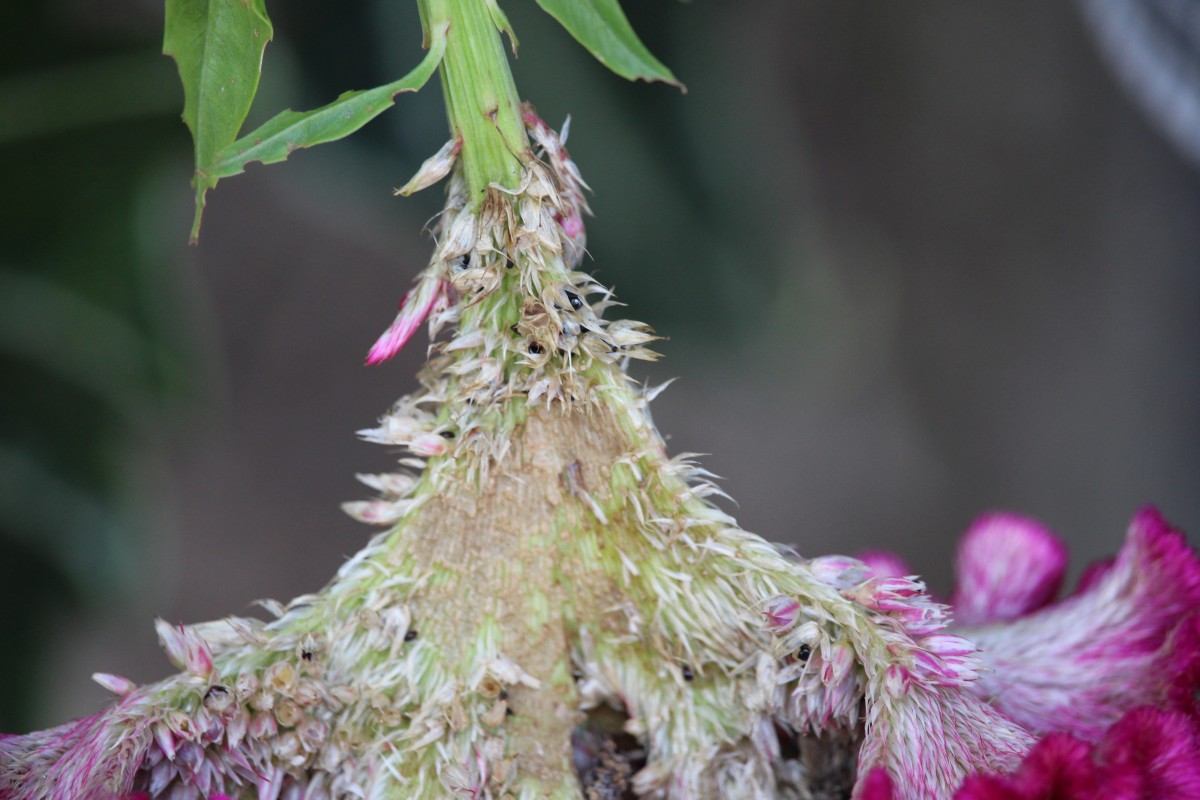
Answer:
(514, 329)
(503, 694)
(410, 634)
(447, 434)
(536, 348)
(510, 264)
(576, 300)
(216, 690)
(508, 712)
(804, 652)
(306, 654)
(687, 673)
(576, 675)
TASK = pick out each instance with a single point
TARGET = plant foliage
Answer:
(219, 45)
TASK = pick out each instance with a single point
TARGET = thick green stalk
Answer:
(481, 98)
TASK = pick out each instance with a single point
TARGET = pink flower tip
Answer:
(781, 612)
(116, 684)
(430, 444)
(572, 225)
(1007, 566)
(414, 308)
(185, 648)
(884, 564)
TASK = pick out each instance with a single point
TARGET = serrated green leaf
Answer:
(218, 46)
(601, 27)
(291, 130)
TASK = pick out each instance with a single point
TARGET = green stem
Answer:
(481, 98)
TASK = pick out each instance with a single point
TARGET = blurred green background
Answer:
(916, 261)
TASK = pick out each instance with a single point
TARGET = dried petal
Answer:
(436, 167)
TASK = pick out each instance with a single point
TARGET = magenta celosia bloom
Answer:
(1079, 664)
(1108, 676)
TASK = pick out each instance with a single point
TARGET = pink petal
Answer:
(1007, 566)
(414, 307)
(1151, 753)
(572, 224)
(1079, 665)
(781, 612)
(877, 786)
(428, 444)
(987, 787)
(1181, 690)
(1058, 767)
(884, 564)
(116, 684)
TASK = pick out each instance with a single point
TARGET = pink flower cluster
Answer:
(1107, 677)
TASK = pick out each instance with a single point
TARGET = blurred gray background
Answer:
(915, 262)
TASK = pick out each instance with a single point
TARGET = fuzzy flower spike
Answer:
(554, 608)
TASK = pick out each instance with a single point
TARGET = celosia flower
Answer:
(550, 537)
(1079, 664)
(1149, 754)
(1108, 676)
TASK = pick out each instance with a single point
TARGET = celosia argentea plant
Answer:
(554, 609)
